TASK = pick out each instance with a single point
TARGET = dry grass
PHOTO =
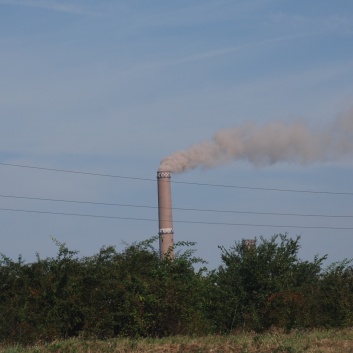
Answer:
(317, 341)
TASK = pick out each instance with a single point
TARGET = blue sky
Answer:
(113, 87)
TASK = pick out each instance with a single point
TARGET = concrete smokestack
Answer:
(249, 243)
(166, 234)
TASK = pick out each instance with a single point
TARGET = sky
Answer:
(94, 94)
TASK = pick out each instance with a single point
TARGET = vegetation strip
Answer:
(132, 298)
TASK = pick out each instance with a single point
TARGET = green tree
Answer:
(261, 285)
(332, 303)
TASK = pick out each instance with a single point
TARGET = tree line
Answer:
(133, 293)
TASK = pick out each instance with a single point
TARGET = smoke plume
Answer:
(267, 145)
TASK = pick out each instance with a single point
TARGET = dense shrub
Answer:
(263, 285)
(333, 301)
(133, 293)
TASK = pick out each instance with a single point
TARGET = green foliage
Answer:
(262, 286)
(334, 300)
(132, 293)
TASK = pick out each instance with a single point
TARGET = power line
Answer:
(180, 182)
(177, 208)
(75, 172)
(265, 189)
(176, 221)
(75, 201)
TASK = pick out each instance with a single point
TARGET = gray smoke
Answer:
(269, 144)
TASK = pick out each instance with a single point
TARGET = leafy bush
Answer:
(133, 293)
(262, 285)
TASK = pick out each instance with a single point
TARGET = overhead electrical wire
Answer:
(266, 189)
(176, 221)
(175, 208)
(179, 182)
(75, 172)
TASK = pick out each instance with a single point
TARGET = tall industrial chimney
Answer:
(166, 234)
(249, 243)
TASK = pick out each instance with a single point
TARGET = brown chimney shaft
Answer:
(249, 243)
(166, 234)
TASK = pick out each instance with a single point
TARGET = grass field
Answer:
(316, 341)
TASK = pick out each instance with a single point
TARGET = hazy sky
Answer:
(113, 87)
